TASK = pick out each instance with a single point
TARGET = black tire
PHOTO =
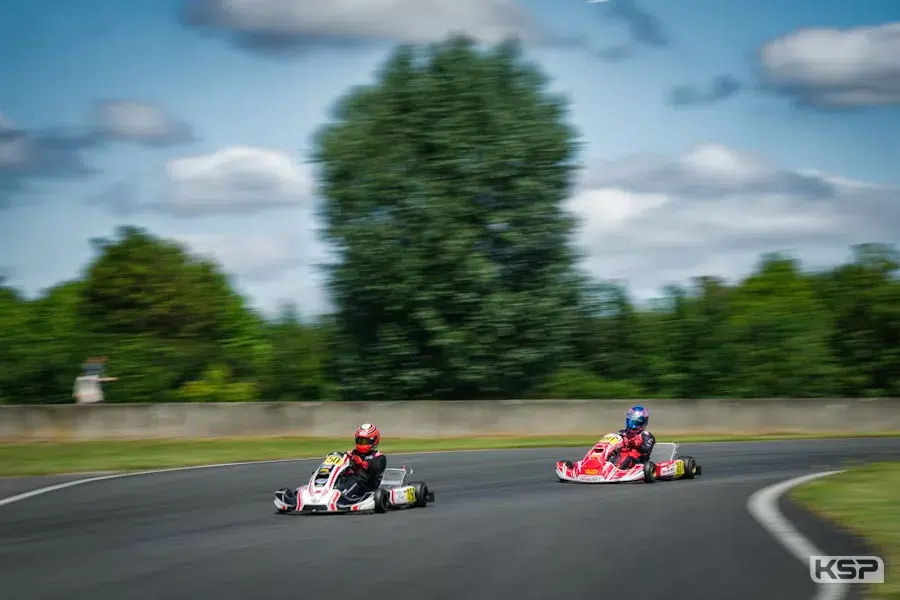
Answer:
(289, 496)
(690, 467)
(649, 471)
(421, 494)
(567, 463)
(382, 500)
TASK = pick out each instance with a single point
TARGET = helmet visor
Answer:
(364, 441)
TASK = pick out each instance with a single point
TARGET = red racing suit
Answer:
(637, 448)
(370, 468)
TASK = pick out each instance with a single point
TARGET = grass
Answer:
(43, 458)
(865, 501)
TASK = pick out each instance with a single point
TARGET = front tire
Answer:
(289, 497)
(649, 471)
(566, 463)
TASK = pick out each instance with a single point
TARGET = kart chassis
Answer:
(664, 464)
(325, 492)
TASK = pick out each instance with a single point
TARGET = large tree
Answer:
(444, 185)
(163, 317)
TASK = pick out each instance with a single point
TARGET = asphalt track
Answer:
(501, 527)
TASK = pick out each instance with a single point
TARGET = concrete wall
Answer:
(441, 419)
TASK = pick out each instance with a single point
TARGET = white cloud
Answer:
(136, 121)
(254, 257)
(236, 180)
(270, 268)
(26, 156)
(650, 220)
(16, 150)
(836, 67)
(713, 211)
(416, 21)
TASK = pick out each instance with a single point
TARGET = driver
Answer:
(369, 463)
(638, 441)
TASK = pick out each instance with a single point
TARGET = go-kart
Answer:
(331, 490)
(597, 465)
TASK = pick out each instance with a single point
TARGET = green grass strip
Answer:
(42, 458)
(865, 501)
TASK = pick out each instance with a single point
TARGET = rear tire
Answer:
(421, 490)
(690, 467)
(382, 500)
(649, 471)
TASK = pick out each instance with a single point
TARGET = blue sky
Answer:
(714, 131)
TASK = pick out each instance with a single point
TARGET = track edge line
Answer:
(763, 506)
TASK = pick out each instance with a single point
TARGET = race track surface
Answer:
(501, 527)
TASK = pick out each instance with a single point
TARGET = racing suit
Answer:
(369, 469)
(637, 449)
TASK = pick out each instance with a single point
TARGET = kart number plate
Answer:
(333, 460)
(411, 495)
(679, 467)
(612, 439)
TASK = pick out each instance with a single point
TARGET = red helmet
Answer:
(367, 438)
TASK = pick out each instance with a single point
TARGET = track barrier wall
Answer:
(430, 419)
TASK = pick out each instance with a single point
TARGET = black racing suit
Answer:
(626, 457)
(368, 473)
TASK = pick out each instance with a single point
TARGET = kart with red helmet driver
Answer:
(355, 481)
(631, 454)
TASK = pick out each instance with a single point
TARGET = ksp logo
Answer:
(846, 569)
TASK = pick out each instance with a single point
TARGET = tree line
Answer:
(175, 331)
(455, 277)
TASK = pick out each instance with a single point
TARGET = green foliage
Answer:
(171, 324)
(444, 185)
(296, 360)
(216, 386)
(142, 284)
(577, 384)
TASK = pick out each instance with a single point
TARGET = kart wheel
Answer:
(649, 471)
(566, 463)
(691, 469)
(421, 490)
(382, 500)
(289, 497)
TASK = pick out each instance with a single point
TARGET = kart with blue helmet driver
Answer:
(629, 455)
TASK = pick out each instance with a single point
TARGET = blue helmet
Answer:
(637, 418)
